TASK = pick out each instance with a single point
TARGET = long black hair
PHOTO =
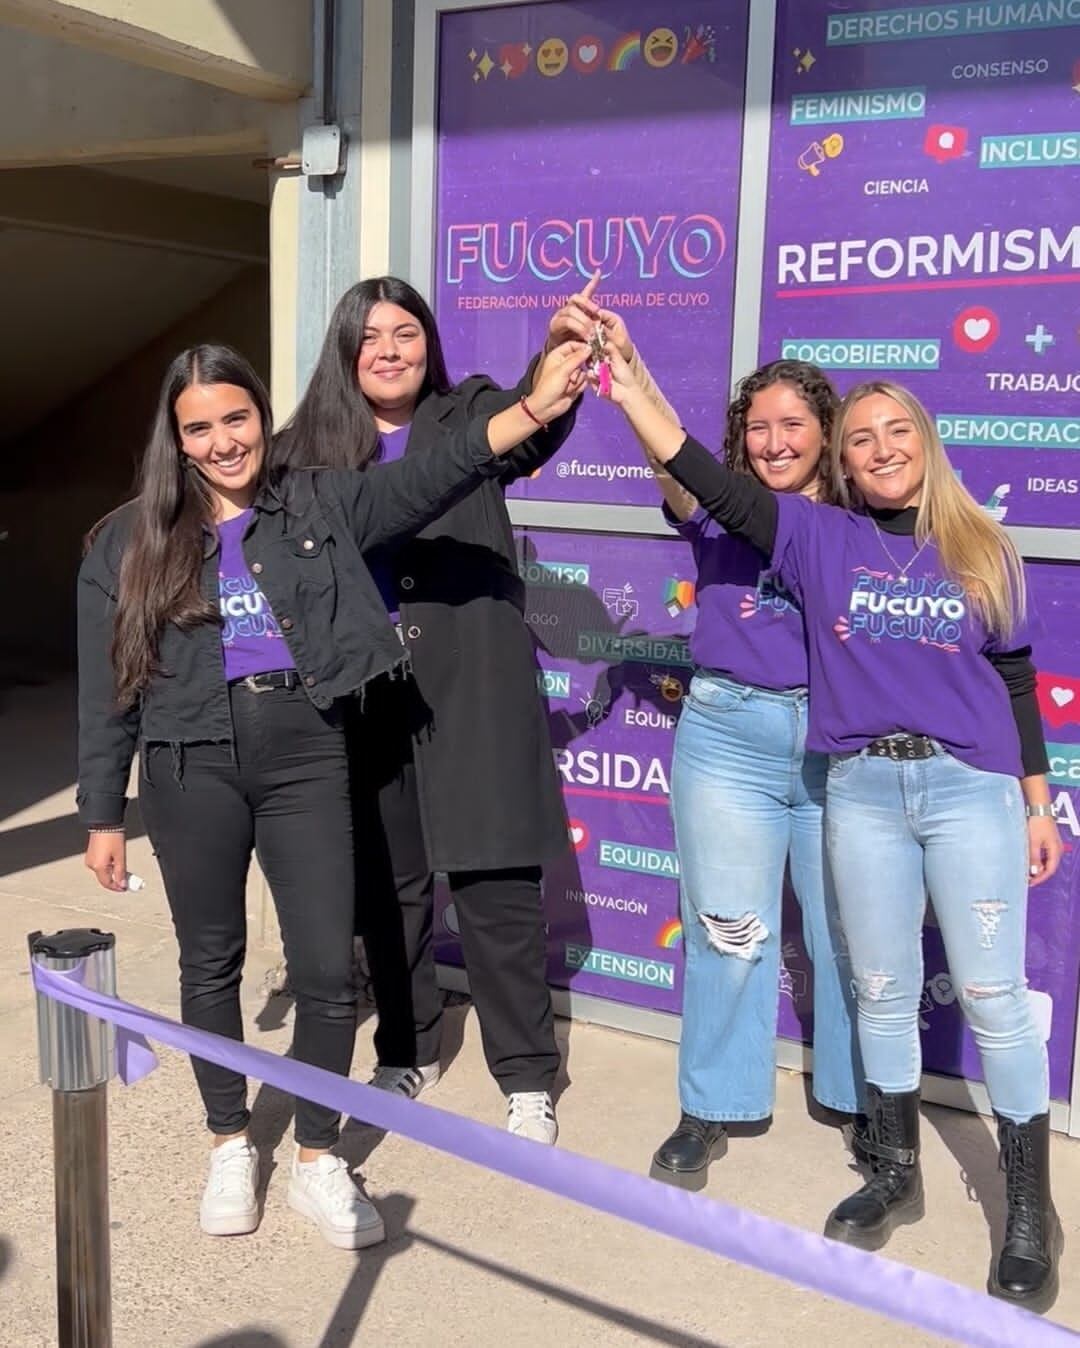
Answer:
(814, 388)
(333, 425)
(162, 563)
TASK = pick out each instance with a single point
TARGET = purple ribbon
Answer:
(841, 1271)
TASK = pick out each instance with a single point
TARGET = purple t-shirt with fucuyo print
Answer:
(250, 637)
(747, 627)
(894, 644)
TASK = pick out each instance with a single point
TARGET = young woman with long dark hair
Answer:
(922, 694)
(226, 615)
(461, 777)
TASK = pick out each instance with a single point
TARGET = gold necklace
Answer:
(902, 577)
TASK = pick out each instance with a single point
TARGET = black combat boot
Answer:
(893, 1195)
(684, 1158)
(1027, 1268)
(860, 1131)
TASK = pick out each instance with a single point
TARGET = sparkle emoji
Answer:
(513, 59)
(660, 47)
(483, 67)
(552, 56)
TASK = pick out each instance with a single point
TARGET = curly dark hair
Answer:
(815, 389)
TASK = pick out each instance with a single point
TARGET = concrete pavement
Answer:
(472, 1259)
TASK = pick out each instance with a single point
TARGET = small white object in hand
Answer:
(135, 883)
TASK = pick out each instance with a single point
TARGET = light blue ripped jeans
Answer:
(896, 830)
(747, 798)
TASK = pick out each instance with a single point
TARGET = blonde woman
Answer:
(922, 693)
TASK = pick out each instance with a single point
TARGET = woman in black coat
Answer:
(455, 773)
(227, 617)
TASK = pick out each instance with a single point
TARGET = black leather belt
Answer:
(262, 683)
(900, 748)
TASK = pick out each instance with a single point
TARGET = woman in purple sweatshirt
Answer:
(922, 695)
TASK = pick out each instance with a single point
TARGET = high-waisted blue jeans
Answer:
(896, 831)
(747, 799)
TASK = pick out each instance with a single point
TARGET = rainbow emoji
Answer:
(678, 595)
(670, 934)
(625, 52)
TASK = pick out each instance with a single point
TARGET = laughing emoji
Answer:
(552, 56)
(660, 47)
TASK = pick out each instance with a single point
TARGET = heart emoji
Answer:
(976, 329)
(587, 55)
(513, 62)
(1059, 699)
(579, 834)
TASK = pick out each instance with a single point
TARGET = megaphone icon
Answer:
(820, 150)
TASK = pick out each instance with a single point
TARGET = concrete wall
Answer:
(80, 463)
(259, 48)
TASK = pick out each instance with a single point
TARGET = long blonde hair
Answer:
(975, 551)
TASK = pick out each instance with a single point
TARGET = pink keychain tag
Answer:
(599, 367)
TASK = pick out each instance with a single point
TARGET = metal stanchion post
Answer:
(77, 1054)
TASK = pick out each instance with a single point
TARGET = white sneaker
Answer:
(531, 1114)
(229, 1206)
(407, 1081)
(325, 1193)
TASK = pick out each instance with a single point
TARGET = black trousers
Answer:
(285, 793)
(500, 915)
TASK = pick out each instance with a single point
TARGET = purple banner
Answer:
(610, 616)
(573, 137)
(924, 200)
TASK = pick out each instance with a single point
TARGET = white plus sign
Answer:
(1039, 339)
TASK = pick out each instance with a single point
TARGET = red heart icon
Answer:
(579, 835)
(512, 60)
(587, 54)
(976, 328)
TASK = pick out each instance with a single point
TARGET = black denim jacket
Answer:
(304, 545)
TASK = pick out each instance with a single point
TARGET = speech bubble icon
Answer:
(945, 142)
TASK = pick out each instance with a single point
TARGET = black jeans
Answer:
(500, 915)
(285, 792)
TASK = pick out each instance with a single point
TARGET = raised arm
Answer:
(678, 500)
(486, 398)
(578, 318)
(738, 502)
(398, 499)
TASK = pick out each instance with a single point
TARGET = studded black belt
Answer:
(901, 748)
